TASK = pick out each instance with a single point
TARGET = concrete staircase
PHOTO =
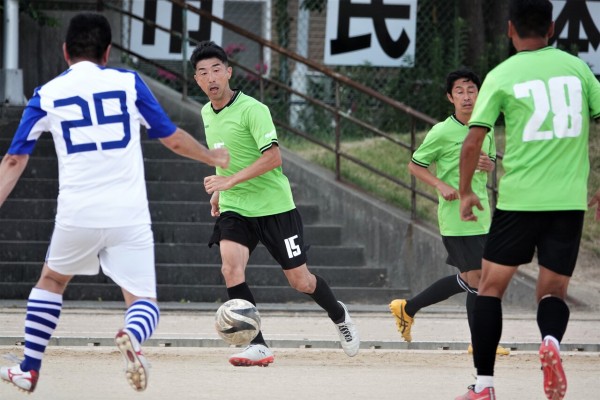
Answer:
(187, 270)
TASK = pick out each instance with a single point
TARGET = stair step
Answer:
(210, 274)
(177, 170)
(40, 188)
(187, 253)
(209, 293)
(151, 149)
(164, 232)
(187, 270)
(165, 211)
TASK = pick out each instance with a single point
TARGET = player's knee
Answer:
(230, 272)
(302, 285)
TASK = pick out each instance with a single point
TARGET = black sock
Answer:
(436, 292)
(470, 305)
(242, 291)
(471, 298)
(324, 297)
(487, 330)
(553, 317)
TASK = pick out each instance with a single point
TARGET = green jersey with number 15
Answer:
(547, 97)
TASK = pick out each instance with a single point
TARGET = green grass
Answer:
(393, 159)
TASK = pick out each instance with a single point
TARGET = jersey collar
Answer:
(235, 96)
(453, 116)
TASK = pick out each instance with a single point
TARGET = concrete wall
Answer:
(40, 47)
(413, 254)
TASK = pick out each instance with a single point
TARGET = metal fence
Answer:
(279, 49)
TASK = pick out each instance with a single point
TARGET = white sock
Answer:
(142, 318)
(483, 381)
(553, 340)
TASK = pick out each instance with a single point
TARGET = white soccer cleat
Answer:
(136, 368)
(348, 334)
(25, 381)
(253, 355)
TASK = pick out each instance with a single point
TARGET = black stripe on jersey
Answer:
(267, 147)
(456, 119)
(420, 164)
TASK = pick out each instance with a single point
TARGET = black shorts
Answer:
(282, 235)
(515, 235)
(464, 252)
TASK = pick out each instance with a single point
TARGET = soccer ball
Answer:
(237, 321)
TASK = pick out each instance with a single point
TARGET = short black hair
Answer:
(88, 36)
(461, 74)
(531, 18)
(208, 49)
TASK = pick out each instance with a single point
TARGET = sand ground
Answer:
(300, 371)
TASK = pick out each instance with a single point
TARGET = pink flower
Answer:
(234, 48)
(166, 75)
(261, 69)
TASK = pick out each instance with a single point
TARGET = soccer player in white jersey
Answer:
(94, 114)
(547, 97)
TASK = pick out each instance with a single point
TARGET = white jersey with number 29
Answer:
(94, 114)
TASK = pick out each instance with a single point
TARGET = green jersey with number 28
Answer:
(547, 97)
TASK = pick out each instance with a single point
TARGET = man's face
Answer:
(463, 96)
(213, 78)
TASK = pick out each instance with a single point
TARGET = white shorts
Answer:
(126, 255)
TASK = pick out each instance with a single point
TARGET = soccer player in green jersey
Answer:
(252, 200)
(463, 240)
(547, 97)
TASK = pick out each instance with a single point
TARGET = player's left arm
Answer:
(469, 158)
(594, 102)
(487, 158)
(269, 160)
(595, 202)
(11, 169)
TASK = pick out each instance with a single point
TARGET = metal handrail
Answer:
(338, 114)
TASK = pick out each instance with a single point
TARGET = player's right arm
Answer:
(11, 169)
(424, 175)
(184, 144)
(215, 211)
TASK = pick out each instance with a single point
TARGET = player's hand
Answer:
(447, 191)
(595, 202)
(467, 202)
(214, 205)
(485, 163)
(216, 183)
(220, 157)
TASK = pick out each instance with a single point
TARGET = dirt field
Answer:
(203, 373)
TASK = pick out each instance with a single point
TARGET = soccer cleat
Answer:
(348, 334)
(404, 322)
(501, 351)
(555, 380)
(486, 394)
(253, 355)
(25, 381)
(136, 366)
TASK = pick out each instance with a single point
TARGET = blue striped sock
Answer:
(43, 311)
(141, 319)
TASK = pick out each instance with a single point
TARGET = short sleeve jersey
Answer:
(442, 146)
(245, 127)
(94, 114)
(547, 97)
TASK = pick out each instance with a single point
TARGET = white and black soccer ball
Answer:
(237, 321)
